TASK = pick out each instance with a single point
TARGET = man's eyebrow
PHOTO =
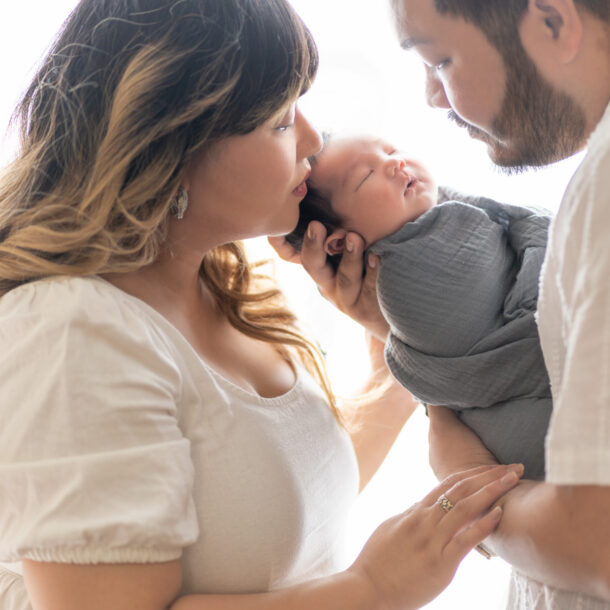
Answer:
(410, 42)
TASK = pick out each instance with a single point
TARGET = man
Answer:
(531, 79)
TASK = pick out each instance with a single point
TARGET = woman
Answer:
(163, 443)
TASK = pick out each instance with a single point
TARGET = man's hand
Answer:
(352, 288)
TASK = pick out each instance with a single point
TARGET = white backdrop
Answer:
(366, 83)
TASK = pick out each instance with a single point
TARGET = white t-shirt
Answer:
(119, 444)
(574, 323)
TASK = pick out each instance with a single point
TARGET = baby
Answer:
(457, 284)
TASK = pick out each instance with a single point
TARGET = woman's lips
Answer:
(301, 190)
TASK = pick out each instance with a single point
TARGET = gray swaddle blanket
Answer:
(459, 289)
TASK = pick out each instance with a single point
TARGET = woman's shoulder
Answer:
(78, 311)
(87, 300)
(59, 293)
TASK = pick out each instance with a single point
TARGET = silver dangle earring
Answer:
(179, 203)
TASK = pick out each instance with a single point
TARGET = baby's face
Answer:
(372, 186)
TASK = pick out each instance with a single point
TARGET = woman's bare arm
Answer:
(64, 586)
(408, 560)
(375, 419)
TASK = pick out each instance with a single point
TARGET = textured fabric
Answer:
(459, 287)
(13, 595)
(118, 444)
(574, 320)
(527, 594)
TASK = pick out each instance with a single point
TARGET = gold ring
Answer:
(445, 503)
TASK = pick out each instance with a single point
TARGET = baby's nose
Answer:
(394, 165)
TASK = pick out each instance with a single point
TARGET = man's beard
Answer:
(537, 124)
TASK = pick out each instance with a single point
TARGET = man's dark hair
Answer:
(499, 19)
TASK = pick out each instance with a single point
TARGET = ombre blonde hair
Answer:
(128, 94)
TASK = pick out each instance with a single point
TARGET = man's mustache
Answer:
(472, 130)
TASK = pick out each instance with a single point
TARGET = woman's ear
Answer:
(552, 30)
(335, 242)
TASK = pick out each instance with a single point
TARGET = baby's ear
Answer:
(335, 242)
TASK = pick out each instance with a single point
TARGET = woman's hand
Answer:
(352, 288)
(412, 557)
(453, 446)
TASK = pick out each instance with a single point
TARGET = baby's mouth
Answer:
(410, 183)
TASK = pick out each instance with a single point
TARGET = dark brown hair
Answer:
(128, 94)
(499, 19)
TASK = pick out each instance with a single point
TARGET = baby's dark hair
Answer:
(315, 206)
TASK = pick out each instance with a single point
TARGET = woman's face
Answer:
(250, 185)
(373, 187)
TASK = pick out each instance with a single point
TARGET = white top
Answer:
(119, 444)
(574, 322)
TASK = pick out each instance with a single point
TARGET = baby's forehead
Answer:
(340, 155)
(353, 146)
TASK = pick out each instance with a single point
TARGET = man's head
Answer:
(509, 70)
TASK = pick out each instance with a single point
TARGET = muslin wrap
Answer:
(459, 288)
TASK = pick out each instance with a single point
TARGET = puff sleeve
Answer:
(93, 465)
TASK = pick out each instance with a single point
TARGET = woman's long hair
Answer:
(129, 93)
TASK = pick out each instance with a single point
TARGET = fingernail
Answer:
(518, 468)
(372, 260)
(509, 478)
(349, 246)
(496, 512)
(310, 234)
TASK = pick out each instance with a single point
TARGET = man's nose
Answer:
(435, 91)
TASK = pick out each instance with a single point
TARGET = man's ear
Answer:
(335, 242)
(552, 28)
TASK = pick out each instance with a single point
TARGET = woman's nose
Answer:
(310, 140)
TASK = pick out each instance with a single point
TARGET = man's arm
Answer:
(557, 534)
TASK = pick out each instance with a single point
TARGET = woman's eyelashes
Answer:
(287, 121)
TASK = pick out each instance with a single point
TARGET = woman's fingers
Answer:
(412, 557)
(463, 542)
(490, 473)
(472, 497)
